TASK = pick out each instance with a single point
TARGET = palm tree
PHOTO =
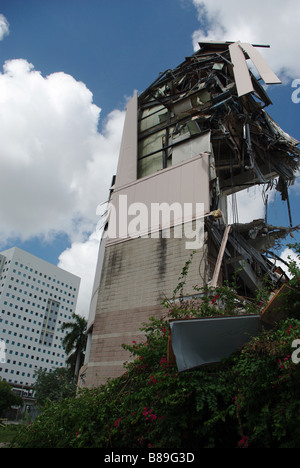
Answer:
(74, 342)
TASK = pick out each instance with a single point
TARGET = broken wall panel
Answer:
(263, 68)
(197, 342)
(191, 148)
(241, 71)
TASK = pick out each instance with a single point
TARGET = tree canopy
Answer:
(74, 342)
(53, 386)
(8, 398)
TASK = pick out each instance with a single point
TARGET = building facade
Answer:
(197, 134)
(36, 298)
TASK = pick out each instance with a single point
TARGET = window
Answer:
(49, 322)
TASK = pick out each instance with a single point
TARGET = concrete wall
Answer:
(137, 275)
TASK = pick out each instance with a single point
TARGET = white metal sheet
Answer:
(190, 148)
(263, 68)
(184, 186)
(202, 341)
(240, 69)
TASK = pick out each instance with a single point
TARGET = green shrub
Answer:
(8, 398)
(251, 399)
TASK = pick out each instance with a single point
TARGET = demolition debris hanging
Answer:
(204, 104)
(212, 103)
(205, 123)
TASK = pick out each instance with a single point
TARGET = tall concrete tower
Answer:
(199, 133)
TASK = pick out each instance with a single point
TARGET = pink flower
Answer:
(244, 442)
(116, 423)
(236, 402)
(149, 415)
(152, 380)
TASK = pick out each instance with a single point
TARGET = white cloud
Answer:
(4, 27)
(55, 166)
(269, 22)
(288, 255)
(80, 259)
(247, 205)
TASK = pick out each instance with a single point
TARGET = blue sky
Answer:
(67, 69)
(113, 46)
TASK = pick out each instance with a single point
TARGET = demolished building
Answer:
(198, 133)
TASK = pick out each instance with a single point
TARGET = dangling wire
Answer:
(265, 199)
(234, 208)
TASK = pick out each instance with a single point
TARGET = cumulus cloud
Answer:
(55, 166)
(288, 255)
(4, 27)
(274, 23)
(247, 205)
(81, 259)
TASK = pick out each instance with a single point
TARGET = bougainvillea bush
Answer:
(250, 400)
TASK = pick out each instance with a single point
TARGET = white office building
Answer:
(36, 298)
